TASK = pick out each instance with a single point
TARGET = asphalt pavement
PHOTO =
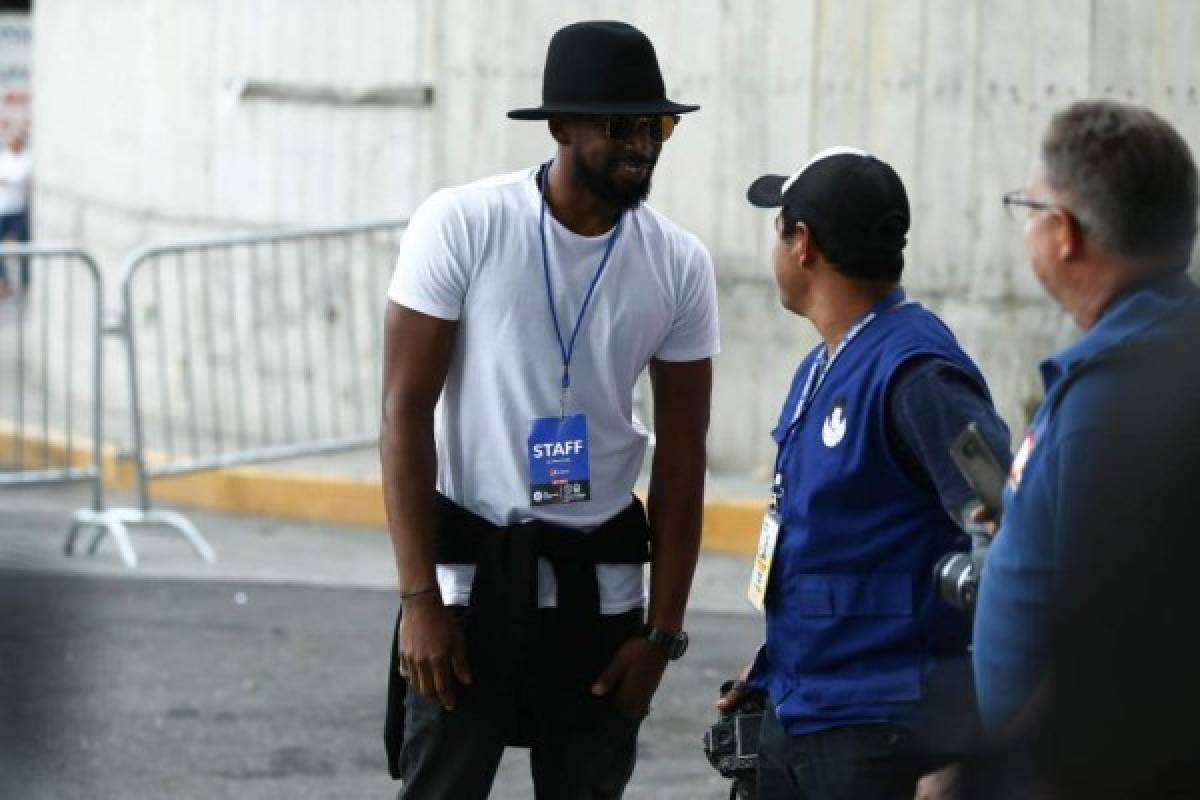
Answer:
(262, 676)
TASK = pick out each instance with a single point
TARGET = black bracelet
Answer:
(430, 590)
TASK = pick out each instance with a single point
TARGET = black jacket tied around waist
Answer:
(503, 607)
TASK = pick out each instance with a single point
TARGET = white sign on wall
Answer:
(16, 55)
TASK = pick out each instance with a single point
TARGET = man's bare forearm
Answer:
(416, 356)
(676, 510)
(682, 394)
(409, 460)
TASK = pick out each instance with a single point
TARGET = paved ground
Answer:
(33, 524)
(261, 676)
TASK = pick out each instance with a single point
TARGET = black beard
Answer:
(609, 192)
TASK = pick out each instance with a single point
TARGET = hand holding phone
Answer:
(981, 469)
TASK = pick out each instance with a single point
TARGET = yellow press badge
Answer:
(756, 592)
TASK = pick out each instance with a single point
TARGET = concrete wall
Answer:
(140, 138)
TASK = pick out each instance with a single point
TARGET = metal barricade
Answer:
(51, 397)
(251, 349)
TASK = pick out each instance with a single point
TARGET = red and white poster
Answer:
(16, 55)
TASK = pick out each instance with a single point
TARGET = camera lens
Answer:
(957, 580)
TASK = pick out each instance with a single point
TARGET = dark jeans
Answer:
(16, 228)
(581, 746)
(856, 762)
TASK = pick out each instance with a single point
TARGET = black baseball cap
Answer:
(854, 204)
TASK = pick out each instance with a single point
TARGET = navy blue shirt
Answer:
(1050, 493)
(930, 402)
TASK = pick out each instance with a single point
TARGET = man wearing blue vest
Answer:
(865, 666)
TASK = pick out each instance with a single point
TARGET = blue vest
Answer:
(853, 618)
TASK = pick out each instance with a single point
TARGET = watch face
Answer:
(673, 644)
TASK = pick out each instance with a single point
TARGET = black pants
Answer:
(16, 228)
(581, 746)
(857, 762)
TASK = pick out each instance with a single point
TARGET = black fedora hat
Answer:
(601, 67)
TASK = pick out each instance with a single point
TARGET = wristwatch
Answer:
(673, 644)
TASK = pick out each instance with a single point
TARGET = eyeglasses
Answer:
(620, 127)
(1016, 198)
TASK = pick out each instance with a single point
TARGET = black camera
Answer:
(731, 744)
(957, 574)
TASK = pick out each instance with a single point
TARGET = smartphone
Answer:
(979, 465)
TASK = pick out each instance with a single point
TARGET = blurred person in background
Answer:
(524, 308)
(1086, 657)
(16, 167)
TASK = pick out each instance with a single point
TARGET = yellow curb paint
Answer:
(730, 526)
(37, 449)
(288, 495)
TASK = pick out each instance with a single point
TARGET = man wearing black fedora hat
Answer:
(864, 663)
(524, 308)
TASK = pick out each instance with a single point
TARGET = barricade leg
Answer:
(115, 522)
(104, 522)
(179, 522)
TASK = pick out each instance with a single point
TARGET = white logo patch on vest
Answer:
(834, 428)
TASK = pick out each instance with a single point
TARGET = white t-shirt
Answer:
(473, 254)
(14, 180)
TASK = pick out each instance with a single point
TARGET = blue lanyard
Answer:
(816, 376)
(568, 350)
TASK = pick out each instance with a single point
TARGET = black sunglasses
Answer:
(620, 127)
